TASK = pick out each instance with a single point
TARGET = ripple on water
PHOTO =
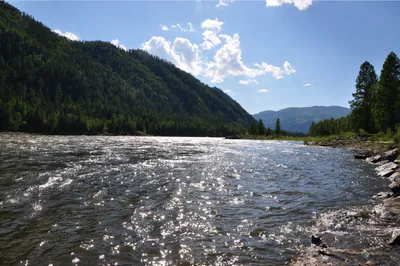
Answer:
(166, 201)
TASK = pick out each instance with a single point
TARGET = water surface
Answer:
(91, 200)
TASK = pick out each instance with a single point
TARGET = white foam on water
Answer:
(51, 182)
(66, 182)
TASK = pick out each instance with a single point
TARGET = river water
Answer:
(91, 200)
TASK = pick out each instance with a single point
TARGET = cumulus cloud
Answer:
(263, 90)
(210, 40)
(164, 28)
(212, 24)
(228, 91)
(223, 3)
(228, 62)
(276, 71)
(68, 35)
(247, 82)
(181, 53)
(300, 4)
(307, 85)
(116, 43)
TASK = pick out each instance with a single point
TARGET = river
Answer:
(99, 200)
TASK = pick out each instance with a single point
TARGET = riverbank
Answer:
(367, 235)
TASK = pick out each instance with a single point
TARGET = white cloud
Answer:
(227, 91)
(300, 4)
(263, 90)
(288, 68)
(223, 3)
(189, 27)
(181, 53)
(307, 85)
(68, 35)
(228, 62)
(116, 43)
(210, 40)
(212, 24)
(164, 28)
(249, 81)
(180, 27)
(276, 71)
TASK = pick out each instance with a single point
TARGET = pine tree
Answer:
(388, 93)
(364, 97)
(261, 127)
(254, 128)
(278, 127)
(268, 132)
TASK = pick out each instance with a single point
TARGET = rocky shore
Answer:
(368, 235)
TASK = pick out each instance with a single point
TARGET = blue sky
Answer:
(262, 53)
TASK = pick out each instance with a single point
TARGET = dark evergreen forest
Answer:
(375, 107)
(52, 85)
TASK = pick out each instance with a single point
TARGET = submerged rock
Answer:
(361, 156)
(395, 240)
(317, 240)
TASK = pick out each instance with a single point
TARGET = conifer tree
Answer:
(364, 97)
(277, 127)
(388, 93)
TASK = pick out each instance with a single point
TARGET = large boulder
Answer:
(392, 205)
(374, 159)
(386, 169)
(390, 155)
(395, 177)
(383, 195)
(386, 172)
(386, 166)
(395, 187)
(395, 240)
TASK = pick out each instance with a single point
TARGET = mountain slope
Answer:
(49, 84)
(299, 119)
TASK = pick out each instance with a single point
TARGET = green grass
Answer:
(364, 214)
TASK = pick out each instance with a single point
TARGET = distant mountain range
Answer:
(299, 119)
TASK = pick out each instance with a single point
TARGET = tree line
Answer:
(258, 129)
(375, 106)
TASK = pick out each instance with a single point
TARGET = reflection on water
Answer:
(166, 201)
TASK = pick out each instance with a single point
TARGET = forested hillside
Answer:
(299, 119)
(375, 107)
(49, 84)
